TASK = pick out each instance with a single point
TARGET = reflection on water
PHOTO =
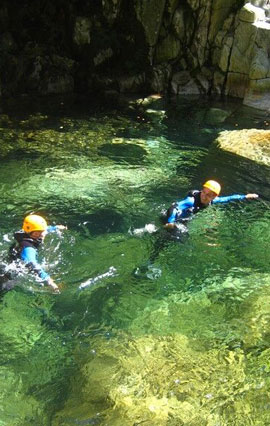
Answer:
(165, 331)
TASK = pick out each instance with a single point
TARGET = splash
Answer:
(92, 281)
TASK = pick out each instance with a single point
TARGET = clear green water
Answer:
(184, 342)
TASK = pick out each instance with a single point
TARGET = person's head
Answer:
(211, 189)
(34, 225)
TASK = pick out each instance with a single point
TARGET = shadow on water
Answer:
(245, 175)
(102, 221)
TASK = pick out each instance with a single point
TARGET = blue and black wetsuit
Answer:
(26, 249)
(180, 212)
(183, 209)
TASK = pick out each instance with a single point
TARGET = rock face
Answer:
(177, 46)
(244, 58)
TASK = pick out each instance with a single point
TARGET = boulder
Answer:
(252, 143)
(216, 116)
(183, 84)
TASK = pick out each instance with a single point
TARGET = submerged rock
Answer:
(158, 379)
(216, 116)
(123, 152)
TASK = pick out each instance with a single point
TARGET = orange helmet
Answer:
(34, 222)
(213, 185)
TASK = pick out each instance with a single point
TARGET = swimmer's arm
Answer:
(29, 257)
(235, 197)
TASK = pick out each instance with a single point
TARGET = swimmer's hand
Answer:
(61, 227)
(54, 286)
(170, 225)
(252, 196)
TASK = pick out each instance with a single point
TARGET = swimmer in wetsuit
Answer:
(198, 200)
(178, 214)
(181, 211)
(28, 241)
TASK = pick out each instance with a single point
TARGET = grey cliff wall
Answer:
(208, 47)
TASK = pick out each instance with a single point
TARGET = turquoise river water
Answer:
(146, 330)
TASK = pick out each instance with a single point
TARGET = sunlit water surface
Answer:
(147, 329)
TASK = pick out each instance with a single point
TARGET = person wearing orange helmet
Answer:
(28, 241)
(198, 200)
